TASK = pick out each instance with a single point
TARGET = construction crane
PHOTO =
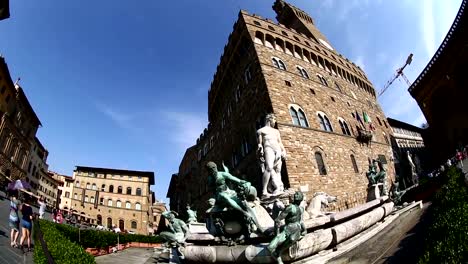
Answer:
(399, 73)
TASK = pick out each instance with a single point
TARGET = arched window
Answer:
(118, 204)
(134, 225)
(77, 184)
(86, 198)
(75, 196)
(320, 163)
(119, 189)
(138, 206)
(94, 186)
(324, 122)
(385, 123)
(128, 205)
(327, 124)
(322, 80)
(337, 86)
(289, 48)
(129, 190)
(294, 116)
(298, 116)
(269, 41)
(109, 202)
(111, 188)
(259, 37)
(279, 45)
(278, 63)
(378, 120)
(92, 199)
(103, 187)
(138, 191)
(88, 186)
(344, 127)
(109, 222)
(302, 119)
(99, 219)
(302, 72)
(353, 161)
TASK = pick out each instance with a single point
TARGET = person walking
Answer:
(26, 223)
(42, 207)
(14, 220)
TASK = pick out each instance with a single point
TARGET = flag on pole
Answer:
(358, 118)
(364, 115)
(4, 9)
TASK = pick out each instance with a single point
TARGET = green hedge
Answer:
(60, 247)
(447, 239)
(89, 238)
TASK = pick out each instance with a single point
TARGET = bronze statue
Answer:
(292, 231)
(379, 176)
(192, 215)
(177, 234)
(231, 199)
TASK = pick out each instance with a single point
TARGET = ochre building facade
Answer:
(327, 113)
(113, 197)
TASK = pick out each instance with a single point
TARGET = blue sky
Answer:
(125, 85)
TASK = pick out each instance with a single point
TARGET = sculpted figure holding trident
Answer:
(271, 151)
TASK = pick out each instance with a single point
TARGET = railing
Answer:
(364, 136)
(40, 237)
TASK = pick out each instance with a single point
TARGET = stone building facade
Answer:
(18, 127)
(37, 165)
(64, 191)
(327, 113)
(406, 139)
(440, 91)
(156, 210)
(113, 197)
(48, 188)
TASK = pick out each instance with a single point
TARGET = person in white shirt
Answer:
(42, 207)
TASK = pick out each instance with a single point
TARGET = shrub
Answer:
(90, 238)
(447, 240)
(60, 247)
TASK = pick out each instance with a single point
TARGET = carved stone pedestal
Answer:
(373, 191)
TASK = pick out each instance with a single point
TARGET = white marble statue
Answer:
(414, 175)
(271, 152)
(320, 199)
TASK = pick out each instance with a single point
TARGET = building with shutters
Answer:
(113, 197)
(327, 113)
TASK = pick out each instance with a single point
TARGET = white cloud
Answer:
(121, 119)
(360, 62)
(185, 127)
(428, 27)
(328, 4)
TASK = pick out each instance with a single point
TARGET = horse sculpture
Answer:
(320, 200)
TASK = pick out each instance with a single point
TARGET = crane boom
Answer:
(399, 72)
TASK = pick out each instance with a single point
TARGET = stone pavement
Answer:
(135, 255)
